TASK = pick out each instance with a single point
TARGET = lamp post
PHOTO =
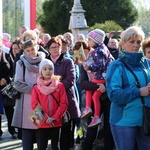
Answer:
(78, 22)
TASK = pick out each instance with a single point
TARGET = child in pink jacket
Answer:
(47, 85)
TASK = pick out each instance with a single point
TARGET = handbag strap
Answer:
(55, 99)
(136, 79)
(23, 65)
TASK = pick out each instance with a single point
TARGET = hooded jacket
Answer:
(126, 107)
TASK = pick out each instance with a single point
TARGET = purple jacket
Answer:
(101, 60)
(66, 69)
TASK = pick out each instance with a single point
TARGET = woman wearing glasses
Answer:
(65, 68)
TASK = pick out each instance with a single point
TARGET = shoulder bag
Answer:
(146, 110)
(66, 116)
(10, 90)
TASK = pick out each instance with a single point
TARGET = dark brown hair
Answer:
(54, 40)
(28, 43)
(145, 45)
(78, 45)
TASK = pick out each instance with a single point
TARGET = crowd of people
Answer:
(86, 78)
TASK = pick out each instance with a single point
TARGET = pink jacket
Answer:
(49, 105)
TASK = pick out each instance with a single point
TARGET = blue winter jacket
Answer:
(126, 106)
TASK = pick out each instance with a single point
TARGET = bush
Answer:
(108, 26)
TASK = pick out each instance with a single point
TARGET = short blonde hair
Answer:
(30, 33)
(131, 32)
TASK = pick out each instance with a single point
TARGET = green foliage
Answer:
(55, 19)
(144, 18)
(56, 16)
(108, 26)
(39, 10)
(144, 22)
(122, 12)
(12, 17)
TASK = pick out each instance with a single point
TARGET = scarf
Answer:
(47, 86)
(32, 64)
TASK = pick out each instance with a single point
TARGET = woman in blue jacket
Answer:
(126, 114)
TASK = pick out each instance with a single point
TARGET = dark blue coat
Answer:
(65, 68)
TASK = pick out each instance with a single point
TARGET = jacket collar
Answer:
(60, 59)
(131, 58)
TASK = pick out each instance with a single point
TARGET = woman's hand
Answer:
(144, 91)
(3, 82)
(85, 67)
(101, 87)
(50, 120)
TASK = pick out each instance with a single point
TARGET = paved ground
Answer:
(7, 143)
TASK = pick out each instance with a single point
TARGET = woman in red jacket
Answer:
(44, 93)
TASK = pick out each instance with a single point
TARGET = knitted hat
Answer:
(45, 62)
(97, 35)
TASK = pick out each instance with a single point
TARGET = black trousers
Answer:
(9, 110)
(1, 132)
(92, 132)
(66, 135)
(42, 138)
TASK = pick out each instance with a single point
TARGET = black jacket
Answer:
(5, 68)
(84, 81)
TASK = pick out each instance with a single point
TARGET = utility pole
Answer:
(30, 13)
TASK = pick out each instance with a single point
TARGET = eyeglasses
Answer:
(55, 47)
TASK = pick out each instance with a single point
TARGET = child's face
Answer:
(147, 52)
(47, 72)
(91, 42)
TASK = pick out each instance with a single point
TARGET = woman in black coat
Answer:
(105, 102)
(6, 72)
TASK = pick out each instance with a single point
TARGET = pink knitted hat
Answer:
(97, 35)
